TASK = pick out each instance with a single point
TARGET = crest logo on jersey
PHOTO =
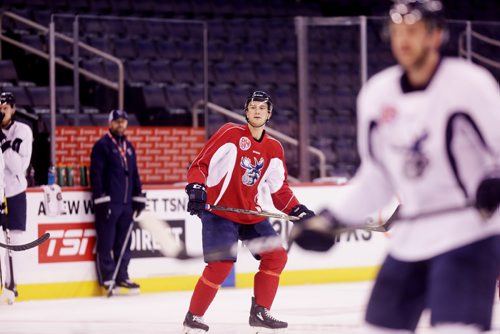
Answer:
(252, 173)
(415, 159)
(387, 114)
(245, 143)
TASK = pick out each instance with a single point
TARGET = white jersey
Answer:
(430, 147)
(53, 200)
(17, 157)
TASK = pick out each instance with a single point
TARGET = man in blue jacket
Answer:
(117, 194)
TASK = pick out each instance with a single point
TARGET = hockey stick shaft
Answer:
(12, 284)
(366, 226)
(281, 216)
(29, 245)
(398, 217)
(119, 261)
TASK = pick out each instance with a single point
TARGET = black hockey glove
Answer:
(102, 208)
(316, 233)
(139, 204)
(197, 198)
(302, 212)
(5, 145)
(488, 196)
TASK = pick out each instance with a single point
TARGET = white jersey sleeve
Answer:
(17, 158)
(370, 189)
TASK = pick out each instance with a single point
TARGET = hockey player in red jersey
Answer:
(232, 170)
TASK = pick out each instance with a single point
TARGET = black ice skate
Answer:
(260, 318)
(194, 324)
(132, 287)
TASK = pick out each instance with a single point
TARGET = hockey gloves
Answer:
(197, 198)
(138, 204)
(488, 196)
(302, 212)
(101, 208)
(316, 233)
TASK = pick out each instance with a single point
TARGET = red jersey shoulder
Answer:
(275, 145)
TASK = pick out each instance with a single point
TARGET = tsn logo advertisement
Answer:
(76, 242)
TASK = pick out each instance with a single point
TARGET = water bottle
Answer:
(69, 176)
(83, 176)
(61, 176)
(51, 175)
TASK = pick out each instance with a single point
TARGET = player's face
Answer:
(118, 126)
(413, 43)
(258, 113)
(7, 110)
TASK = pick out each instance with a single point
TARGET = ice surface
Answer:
(332, 308)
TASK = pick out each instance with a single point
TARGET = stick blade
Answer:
(162, 234)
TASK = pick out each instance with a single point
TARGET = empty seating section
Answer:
(164, 63)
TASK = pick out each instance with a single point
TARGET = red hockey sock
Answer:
(266, 281)
(213, 276)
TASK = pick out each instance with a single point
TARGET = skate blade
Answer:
(189, 330)
(263, 330)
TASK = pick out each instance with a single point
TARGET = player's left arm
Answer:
(281, 194)
(482, 179)
(17, 152)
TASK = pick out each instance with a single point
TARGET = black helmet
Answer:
(260, 96)
(7, 97)
(412, 11)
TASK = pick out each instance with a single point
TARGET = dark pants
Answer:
(16, 213)
(111, 235)
(457, 287)
(220, 233)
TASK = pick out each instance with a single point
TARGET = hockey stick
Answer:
(119, 261)
(29, 245)
(171, 247)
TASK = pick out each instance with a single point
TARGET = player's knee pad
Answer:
(216, 272)
(456, 329)
(273, 261)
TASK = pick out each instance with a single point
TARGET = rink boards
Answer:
(64, 266)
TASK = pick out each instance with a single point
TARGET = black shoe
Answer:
(261, 317)
(192, 321)
(128, 284)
